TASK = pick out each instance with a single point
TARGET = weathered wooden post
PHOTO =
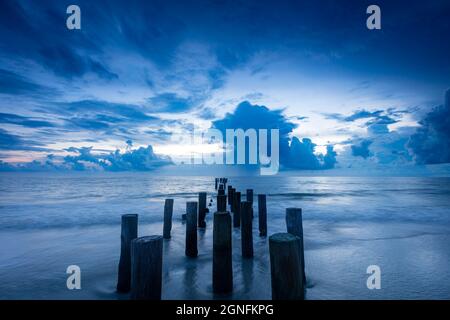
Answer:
(237, 210)
(191, 229)
(217, 181)
(231, 198)
(168, 211)
(230, 194)
(146, 268)
(221, 203)
(201, 209)
(228, 189)
(221, 192)
(285, 267)
(262, 215)
(294, 225)
(246, 229)
(249, 195)
(128, 233)
(222, 253)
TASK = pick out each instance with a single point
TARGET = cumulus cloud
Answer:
(294, 154)
(141, 159)
(431, 142)
(362, 150)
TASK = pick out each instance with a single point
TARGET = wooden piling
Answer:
(262, 215)
(231, 198)
(221, 192)
(146, 268)
(201, 209)
(246, 229)
(237, 210)
(216, 183)
(285, 267)
(222, 253)
(221, 203)
(191, 229)
(249, 195)
(168, 211)
(294, 225)
(129, 231)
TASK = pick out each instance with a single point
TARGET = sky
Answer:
(112, 95)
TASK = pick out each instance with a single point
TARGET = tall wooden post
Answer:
(128, 233)
(191, 229)
(168, 211)
(262, 215)
(201, 209)
(246, 229)
(294, 225)
(221, 203)
(237, 210)
(222, 253)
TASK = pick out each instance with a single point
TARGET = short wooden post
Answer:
(191, 229)
(246, 229)
(285, 267)
(217, 182)
(146, 268)
(294, 225)
(128, 233)
(237, 210)
(222, 203)
(222, 253)
(262, 215)
(201, 209)
(168, 211)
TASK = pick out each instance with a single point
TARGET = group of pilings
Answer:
(140, 265)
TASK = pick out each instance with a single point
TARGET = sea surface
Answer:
(51, 221)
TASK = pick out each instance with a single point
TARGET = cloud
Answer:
(170, 102)
(431, 142)
(294, 154)
(15, 84)
(24, 121)
(9, 141)
(362, 150)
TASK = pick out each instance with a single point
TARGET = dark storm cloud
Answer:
(294, 154)
(362, 150)
(431, 142)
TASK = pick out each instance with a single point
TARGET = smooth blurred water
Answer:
(50, 221)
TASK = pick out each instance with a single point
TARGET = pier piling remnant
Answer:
(222, 203)
(221, 191)
(262, 215)
(285, 267)
(129, 231)
(294, 225)
(246, 229)
(191, 229)
(231, 198)
(146, 268)
(249, 197)
(222, 253)
(230, 194)
(201, 209)
(237, 210)
(216, 183)
(168, 211)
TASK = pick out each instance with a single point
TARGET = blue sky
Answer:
(109, 96)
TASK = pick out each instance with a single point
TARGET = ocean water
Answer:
(51, 221)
